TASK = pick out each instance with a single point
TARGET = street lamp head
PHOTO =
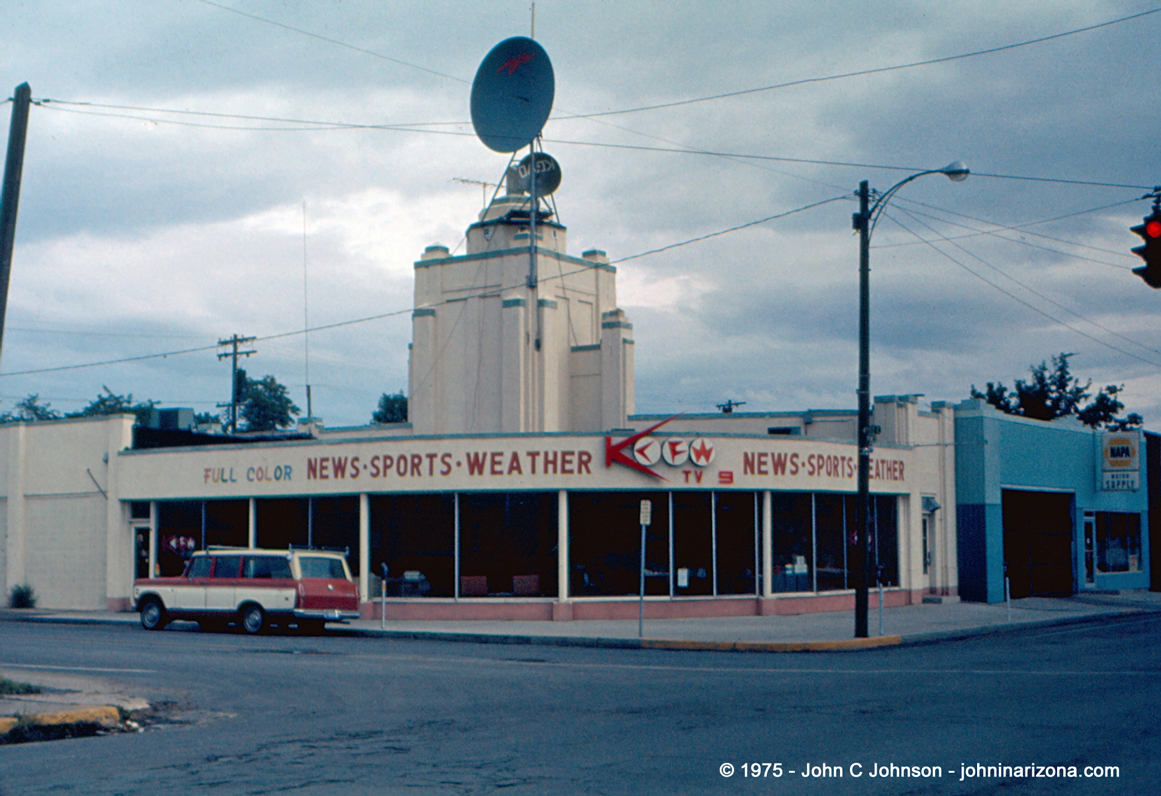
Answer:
(956, 171)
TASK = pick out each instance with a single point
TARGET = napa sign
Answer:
(1120, 461)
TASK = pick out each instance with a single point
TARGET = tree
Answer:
(392, 409)
(110, 404)
(1057, 393)
(30, 408)
(265, 405)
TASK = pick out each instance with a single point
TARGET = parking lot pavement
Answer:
(922, 623)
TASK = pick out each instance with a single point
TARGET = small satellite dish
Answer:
(512, 94)
(547, 174)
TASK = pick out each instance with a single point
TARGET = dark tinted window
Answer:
(227, 566)
(266, 567)
(199, 567)
(322, 568)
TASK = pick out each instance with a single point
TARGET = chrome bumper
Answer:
(326, 615)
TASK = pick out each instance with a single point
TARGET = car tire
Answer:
(153, 614)
(252, 619)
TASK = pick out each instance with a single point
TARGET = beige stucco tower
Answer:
(504, 341)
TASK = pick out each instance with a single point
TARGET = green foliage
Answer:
(110, 404)
(206, 418)
(22, 596)
(1057, 393)
(265, 405)
(392, 409)
(30, 408)
(13, 688)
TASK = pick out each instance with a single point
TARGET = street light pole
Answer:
(864, 222)
(863, 504)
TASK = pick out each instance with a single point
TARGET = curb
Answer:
(628, 643)
(776, 646)
(1017, 627)
(106, 716)
(13, 615)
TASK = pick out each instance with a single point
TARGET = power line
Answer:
(396, 313)
(878, 70)
(1031, 289)
(727, 231)
(1019, 300)
(421, 127)
(1023, 228)
(975, 233)
(335, 42)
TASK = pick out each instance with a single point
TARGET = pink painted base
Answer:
(499, 609)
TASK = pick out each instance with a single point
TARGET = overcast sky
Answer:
(143, 231)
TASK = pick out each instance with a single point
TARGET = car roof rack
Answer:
(344, 550)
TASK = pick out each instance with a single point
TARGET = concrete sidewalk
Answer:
(922, 623)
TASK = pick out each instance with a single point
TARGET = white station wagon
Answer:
(252, 588)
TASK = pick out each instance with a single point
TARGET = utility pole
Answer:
(234, 353)
(10, 198)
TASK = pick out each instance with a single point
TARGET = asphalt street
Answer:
(333, 714)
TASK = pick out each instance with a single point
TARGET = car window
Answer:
(319, 567)
(266, 567)
(199, 567)
(227, 566)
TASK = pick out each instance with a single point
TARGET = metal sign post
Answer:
(383, 598)
(646, 518)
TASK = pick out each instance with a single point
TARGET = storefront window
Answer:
(738, 553)
(885, 542)
(793, 544)
(605, 539)
(693, 550)
(834, 515)
(508, 544)
(414, 536)
(1118, 541)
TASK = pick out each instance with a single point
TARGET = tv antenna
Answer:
(511, 99)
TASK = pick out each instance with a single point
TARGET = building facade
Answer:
(515, 489)
(1056, 507)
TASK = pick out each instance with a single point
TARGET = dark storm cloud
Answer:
(112, 209)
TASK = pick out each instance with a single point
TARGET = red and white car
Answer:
(253, 588)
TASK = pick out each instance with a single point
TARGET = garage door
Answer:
(1038, 542)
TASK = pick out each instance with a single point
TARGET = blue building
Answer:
(1063, 508)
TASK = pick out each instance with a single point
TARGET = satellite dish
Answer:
(512, 94)
(547, 174)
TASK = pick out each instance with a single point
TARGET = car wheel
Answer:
(153, 614)
(252, 619)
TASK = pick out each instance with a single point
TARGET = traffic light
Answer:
(1150, 252)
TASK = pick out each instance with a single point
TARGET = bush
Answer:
(22, 597)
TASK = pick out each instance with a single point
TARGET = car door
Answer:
(188, 596)
(267, 580)
(223, 584)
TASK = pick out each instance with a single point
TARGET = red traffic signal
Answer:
(1150, 252)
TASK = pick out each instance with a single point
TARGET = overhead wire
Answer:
(421, 127)
(425, 127)
(1020, 300)
(1029, 288)
(339, 324)
(1023, 228)
(335, 42)
(873, 71)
